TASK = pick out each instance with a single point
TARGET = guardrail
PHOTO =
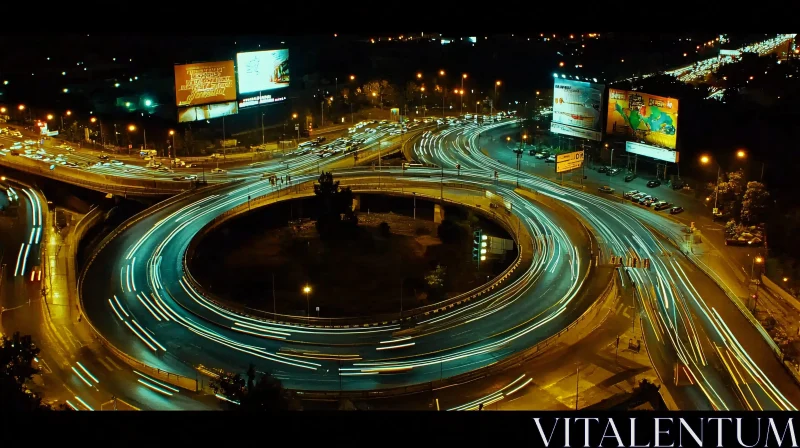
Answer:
(505, 364)
(305, 190)
(172, 378)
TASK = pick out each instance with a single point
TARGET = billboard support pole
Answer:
(223, 139)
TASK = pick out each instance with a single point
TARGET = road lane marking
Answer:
(113, 363)
(105, 364)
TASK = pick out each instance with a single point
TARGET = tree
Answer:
(335, 215)
(754, 202)
(254, 393)
(730, 227)
(16, 369)
(436, 278)
(381, 89)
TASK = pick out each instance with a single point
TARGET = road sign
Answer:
(570, 156)
(297, 127)
(569, 161)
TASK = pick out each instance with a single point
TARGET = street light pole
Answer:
(716, 189)
(262, 129)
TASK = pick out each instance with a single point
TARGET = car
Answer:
(605, 189)
(117, 163)
(628, 194)
(675, 210)
(217, 171)
(178, 178)
(661, 205)
(551, 159)
(612, 172)
(650, 201)
(653, 183)
(637, 196)
(193, 165)
(72, 164)
(644, 198)
(678, 184)
(602, 169)
(630, 177)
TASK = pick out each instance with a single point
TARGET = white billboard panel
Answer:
(558, 128)
(262, 70)
(667, 155)
(578, 105)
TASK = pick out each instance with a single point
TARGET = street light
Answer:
(49, 117)
(491, 109)
(171, 134)
(21, 107)
(352, 77)
(463, 77)
(441, 72)
(741, 154)
(419, 75)
(2, 110)
(705, 161)
(93, 120)
(307, 290)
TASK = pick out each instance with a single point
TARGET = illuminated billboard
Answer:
(207, 112)
(204, 83)
(259, 71)
(649, 118)
(578, 109)
(652, 151)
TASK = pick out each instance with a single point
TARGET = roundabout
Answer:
(139, 298)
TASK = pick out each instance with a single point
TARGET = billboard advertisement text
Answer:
(649, 118)
(557, 128)
(207, 112)
(260, 100)
(651, 151)
(578, 109)
(259, 71)
(204, 83)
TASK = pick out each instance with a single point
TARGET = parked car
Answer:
(661, 205)
(602, 169)
(605, 189)
(678, 184)
(612, 172)
(551, 159)
(630, 177)
(628, 194)
(650, 201)
(643, 199)
(637, 196)
(675, 210)
(653, 183)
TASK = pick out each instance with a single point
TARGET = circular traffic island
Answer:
(282, 258)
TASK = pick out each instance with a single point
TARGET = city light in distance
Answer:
(131, 128)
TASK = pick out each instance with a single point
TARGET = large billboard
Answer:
(649, 118)
(259, 71)
(207, 112)
(578, 109)
(204, 83)
(652, 151)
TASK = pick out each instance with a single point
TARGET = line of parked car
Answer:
(648, 200)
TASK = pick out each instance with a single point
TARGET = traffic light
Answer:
(476, 245)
